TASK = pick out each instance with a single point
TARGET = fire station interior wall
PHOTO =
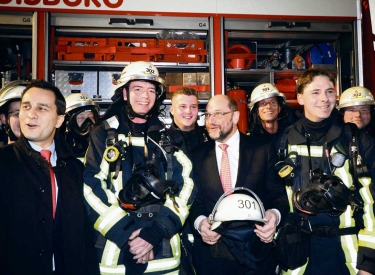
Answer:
(265, 7)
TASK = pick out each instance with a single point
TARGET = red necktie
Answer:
(225, 177)
(46, 154)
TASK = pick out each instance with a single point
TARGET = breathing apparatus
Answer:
(285, 168)
(144, 188)
(76, 104)
(139, 71)
(327, 193)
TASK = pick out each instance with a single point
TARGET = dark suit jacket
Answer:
(255, 172)
(28, 234)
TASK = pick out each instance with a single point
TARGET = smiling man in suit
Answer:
(251, 165)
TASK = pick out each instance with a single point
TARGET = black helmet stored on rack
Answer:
(144, 188)
(325, 194)
(139, 71)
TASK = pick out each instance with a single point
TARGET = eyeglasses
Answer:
(272, 103)
(14, 113)
(216, 114)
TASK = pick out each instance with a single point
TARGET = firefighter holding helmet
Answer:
(81, 116)
(10, 101)
(357, 106)
(269, 116)
(138, 183)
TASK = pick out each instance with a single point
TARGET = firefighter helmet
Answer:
(76, 104)
(263, 91)
(13, 90)
(355, 96)
(141, 70)
(238, 204)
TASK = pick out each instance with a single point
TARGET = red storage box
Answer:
(126, 44)
(131, 57)
(198, 88)
(82, 49)
(184, 58)
(81, 56)
(82, 42)
(181, 44)
(182, 51)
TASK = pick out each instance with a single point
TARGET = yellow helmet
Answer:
(355, 96)
(263, 91)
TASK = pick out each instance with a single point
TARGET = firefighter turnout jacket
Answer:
(346, 244)
(160, 223)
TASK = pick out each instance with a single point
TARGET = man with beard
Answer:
(269, 116)
(243, 152)
(340, 221)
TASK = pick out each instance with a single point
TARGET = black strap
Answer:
(330, 232)
(355, 159)
(307, 136)
(283, 148)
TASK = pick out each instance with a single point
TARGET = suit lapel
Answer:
(211, 165)
(243, 161)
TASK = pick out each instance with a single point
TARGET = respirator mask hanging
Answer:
(145, 188)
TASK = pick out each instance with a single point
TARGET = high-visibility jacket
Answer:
(115, 224)
(341, 254)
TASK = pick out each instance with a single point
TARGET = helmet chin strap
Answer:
(148, 115)
(9, 132)
(129, 108)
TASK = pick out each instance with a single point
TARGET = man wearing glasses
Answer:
(251, 165)
(10, 98)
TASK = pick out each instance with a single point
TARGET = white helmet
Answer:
(263, 91)
(77, 103)
(141, 70)
(77, 100)
(355, 96)
(237, 207)
(13, 90)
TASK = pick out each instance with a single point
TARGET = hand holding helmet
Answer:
(247, 209)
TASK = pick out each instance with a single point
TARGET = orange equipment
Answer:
(239, 96)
